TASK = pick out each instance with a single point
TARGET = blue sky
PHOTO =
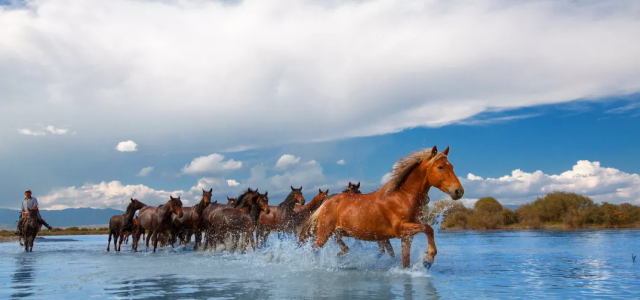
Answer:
(216, 100)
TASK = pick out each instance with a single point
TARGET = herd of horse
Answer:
(393, 211)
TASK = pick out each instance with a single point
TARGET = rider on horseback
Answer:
(27, 204)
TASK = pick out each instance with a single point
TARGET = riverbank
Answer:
(58, 231)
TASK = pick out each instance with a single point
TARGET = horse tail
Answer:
(310, 227)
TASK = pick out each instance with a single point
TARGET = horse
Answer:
(119, 224)
(136, 230)
(191, 221)
(30, 229)
(392, 211)
(209, 212)
(237, 222)
(157, 220)
(282, 217)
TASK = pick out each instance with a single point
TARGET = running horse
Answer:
(282, 217)
(392, 211)
(121, 224)
(191, 220)
(240, 221)
(157, 220)
(30, 229)
(210, 211)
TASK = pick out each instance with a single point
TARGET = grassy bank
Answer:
(59, 231)
(557, 210)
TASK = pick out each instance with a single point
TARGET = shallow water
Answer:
(520, 264)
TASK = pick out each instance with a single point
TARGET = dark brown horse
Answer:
(30, 229)
(239, 222)
(209, 212)
(392, 211)
(119, 224)
(157, 220)
(191, 221)
(282, 217)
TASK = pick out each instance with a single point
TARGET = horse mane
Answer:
(240, 200)
(405, 166)
(129, 207)
(287, 200)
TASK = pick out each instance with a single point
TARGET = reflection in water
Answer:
(173, 287)
(23, 277)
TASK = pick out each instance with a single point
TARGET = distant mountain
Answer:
(63, 218)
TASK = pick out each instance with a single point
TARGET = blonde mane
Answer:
(405, 165)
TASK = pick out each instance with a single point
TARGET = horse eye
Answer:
(440, 168)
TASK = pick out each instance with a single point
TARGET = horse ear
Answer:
(131, 199)
(203, 190)
(327, 192)
(434, 151)
(300, 189)
(210, 190)
(292, 188)
(446, 151)
(170, 197)
(320, 191)
(358, 186)
(266, 193)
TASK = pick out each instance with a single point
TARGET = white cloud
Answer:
(287, 160)
(145, 171)
(213, 163)
(105, 195)
(25, 131)
(43, 131)
(58, 131)
(376, 66)
(232, 182)
(586, 178)
(127, 146)
(341, 162)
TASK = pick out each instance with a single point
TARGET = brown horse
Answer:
(209, 212)
(157, 220)
(30, 229)
(119, 224)
(238, 222)
(393, 210)
(282, 217)
(191, 220)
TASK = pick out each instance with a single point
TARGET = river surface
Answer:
(470, 264)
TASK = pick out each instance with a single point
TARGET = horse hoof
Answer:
(427, 265)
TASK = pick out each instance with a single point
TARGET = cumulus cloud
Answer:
(213, 163)
(26, 131)
(586, 177)
(43, 131)
(58, 131)
(127, 146)
(231, 182)
(287, 160)
(235, 68)
(341, 162)
(145, 171)
(105, 195)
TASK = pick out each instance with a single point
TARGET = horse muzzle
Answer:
(456, 194)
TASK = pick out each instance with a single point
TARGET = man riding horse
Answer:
(27, 205)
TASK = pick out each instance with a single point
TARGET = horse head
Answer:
(206, 196)
(175, 205)
(297, 195)
(440, 174)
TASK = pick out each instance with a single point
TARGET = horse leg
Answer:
(148, 238)
(387, 245)
(109, 242)
(343, 247)
(381, 249)
(155, 239)
(197, 238)
(406, 250)
(120, 243)
(115, 241)
(410, 229)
